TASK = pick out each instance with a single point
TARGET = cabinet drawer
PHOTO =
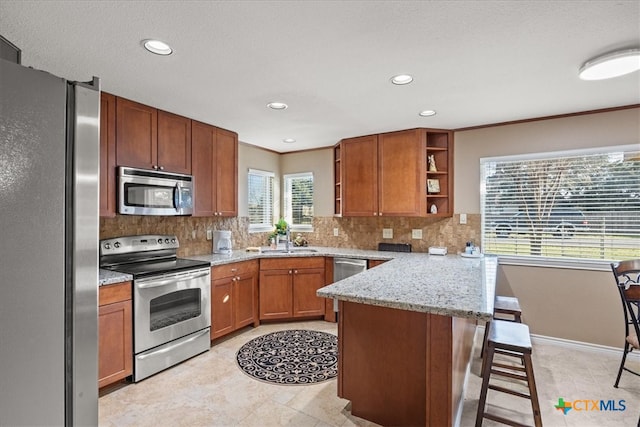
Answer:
(234, 269)
(109, 294)
(282, 263)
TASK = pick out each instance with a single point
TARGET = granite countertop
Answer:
(448, 285)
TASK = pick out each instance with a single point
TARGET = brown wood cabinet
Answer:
(386, 174)
(383, 175)
(115, 343)
(148, 138)
(107, 155)
(215, 170)
(234, 297)
(288, 287)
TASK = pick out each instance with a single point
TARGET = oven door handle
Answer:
(164, 281)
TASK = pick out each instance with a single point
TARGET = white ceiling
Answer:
(474, 62)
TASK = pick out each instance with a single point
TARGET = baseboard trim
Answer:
(577, 345)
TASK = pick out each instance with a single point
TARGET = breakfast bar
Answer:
(405, 336)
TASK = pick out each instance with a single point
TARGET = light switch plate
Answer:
(463, 218)
(209, 234)
(416, 233)
(335, 232)
(387, 233)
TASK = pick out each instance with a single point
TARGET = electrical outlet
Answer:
(209, 234)
(387, 233)
(335, 232)
(416, 233)
(193, 234)
(463, 218)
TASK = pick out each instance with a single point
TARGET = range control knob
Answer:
(107, 246)
(160, 241)
(173, 240)
(116, 245)
(166, 240)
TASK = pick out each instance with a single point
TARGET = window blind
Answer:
(260, 203)
(298, 200)
(571, 205)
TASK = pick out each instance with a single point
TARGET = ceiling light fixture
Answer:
(289, 140)
(427, 113)
(401, 79)
(277, 105)
(610, 65)
(158, 47)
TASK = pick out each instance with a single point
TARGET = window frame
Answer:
(538, 260)
(264, 226)
(287, 208)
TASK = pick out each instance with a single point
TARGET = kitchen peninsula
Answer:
(405, 336)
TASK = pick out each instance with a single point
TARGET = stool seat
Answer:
(510, 336)
(514, 340)
(507, 305)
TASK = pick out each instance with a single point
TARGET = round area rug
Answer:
(292, 357)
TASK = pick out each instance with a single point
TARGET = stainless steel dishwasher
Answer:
(346, 267)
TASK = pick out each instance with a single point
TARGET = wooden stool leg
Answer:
(533, 391)
(485, 338)
(487, 361)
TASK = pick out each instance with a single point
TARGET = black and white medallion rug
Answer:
(292, 357)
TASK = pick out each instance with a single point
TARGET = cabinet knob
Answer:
(295, 271)
(290, 272)
(155, 167)
(161, 168)
(226, 298)
(238, 278)
(375, 214)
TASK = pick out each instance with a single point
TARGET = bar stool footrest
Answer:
(504, 420)
(509, 391)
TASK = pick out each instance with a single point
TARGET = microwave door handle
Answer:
(177, 197)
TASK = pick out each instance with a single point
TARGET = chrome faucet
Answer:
(288, 234)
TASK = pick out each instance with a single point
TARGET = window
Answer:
(298, 201)
(260, 201)
(565, 209)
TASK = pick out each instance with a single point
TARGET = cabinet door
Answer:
(275, 294)
(203, 154)
(360, 176)
(115, 347)
(221, 307)
(107, 155)
(226, 178)
(305, 284)
(136, 134)
(401, 173)
(174, 143)
(245, 293)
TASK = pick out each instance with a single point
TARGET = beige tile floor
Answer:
(210, 390)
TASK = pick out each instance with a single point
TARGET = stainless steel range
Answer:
(171, 300)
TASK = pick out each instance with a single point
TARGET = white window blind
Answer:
(572, 206)
(298, 200)
(260, 201)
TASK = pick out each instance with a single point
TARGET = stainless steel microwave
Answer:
(147, 192)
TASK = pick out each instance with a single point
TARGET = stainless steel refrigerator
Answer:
(49, 167)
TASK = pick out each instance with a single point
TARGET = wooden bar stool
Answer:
(503, 306)
(513, 338)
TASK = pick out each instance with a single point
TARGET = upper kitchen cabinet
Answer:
(148, 138)
(439, 173)
(107, 155)
(382, 175)
(215, 170)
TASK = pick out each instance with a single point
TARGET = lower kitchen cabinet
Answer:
(288, 287)
(234, 297)
(115, 343)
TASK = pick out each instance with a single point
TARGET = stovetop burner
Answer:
(153, 268)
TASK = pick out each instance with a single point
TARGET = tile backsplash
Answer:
(361, 233)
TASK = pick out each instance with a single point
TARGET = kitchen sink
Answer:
(290, 251)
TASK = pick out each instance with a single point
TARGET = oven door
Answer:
(170, 306)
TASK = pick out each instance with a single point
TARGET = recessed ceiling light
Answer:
(289, 140)
(156, 46)
(610, 65)
(427, 113)
(401, 79)
(277, 105)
